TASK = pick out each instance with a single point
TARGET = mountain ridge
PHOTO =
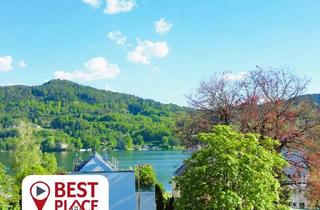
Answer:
(65, 83)
(89, 116)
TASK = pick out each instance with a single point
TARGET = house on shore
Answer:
(175, 189)
(122, 188)
(297, 180)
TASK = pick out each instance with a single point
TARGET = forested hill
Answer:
(68, 116)
(313, 98)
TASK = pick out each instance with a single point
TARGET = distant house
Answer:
(178, 172)
(122, 187)
(62, 146)
(297, 179)
(299, 199)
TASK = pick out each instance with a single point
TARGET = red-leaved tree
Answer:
(268, 102)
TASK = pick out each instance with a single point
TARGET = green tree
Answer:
(48, 144)
(77, 143)
(139, 140)
(8, 190)
(165, 140)
(6, 121)
(170, 204)
(159, 198)
(28, 158)
(3, 146)
(232, 171)
(146, 174)
(128, 142)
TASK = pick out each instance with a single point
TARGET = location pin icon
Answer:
(40, 192)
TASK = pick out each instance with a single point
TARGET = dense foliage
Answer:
(70, 116)
(267, 101)
(8, 190)
(145, 174)
(231, 171)
(159, 198)
(27, 160)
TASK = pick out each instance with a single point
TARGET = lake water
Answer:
(164, 162)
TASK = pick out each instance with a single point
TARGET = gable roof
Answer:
(96, 164)
(122, 192)
(180, 170)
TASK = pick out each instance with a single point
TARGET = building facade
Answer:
(122, 187)
(122, 192)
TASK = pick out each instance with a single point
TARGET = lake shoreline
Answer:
(164, 162)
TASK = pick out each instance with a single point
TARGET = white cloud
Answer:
(146, 50)
(235, 77)
(117, 6)
(5, 63)
(22, 64)
(162, 26)
(118, 37)
(93, 3)
(95, 69)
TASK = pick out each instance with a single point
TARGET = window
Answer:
(294, 204)
(301, 205)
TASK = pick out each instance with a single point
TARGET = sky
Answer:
(158, 49)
